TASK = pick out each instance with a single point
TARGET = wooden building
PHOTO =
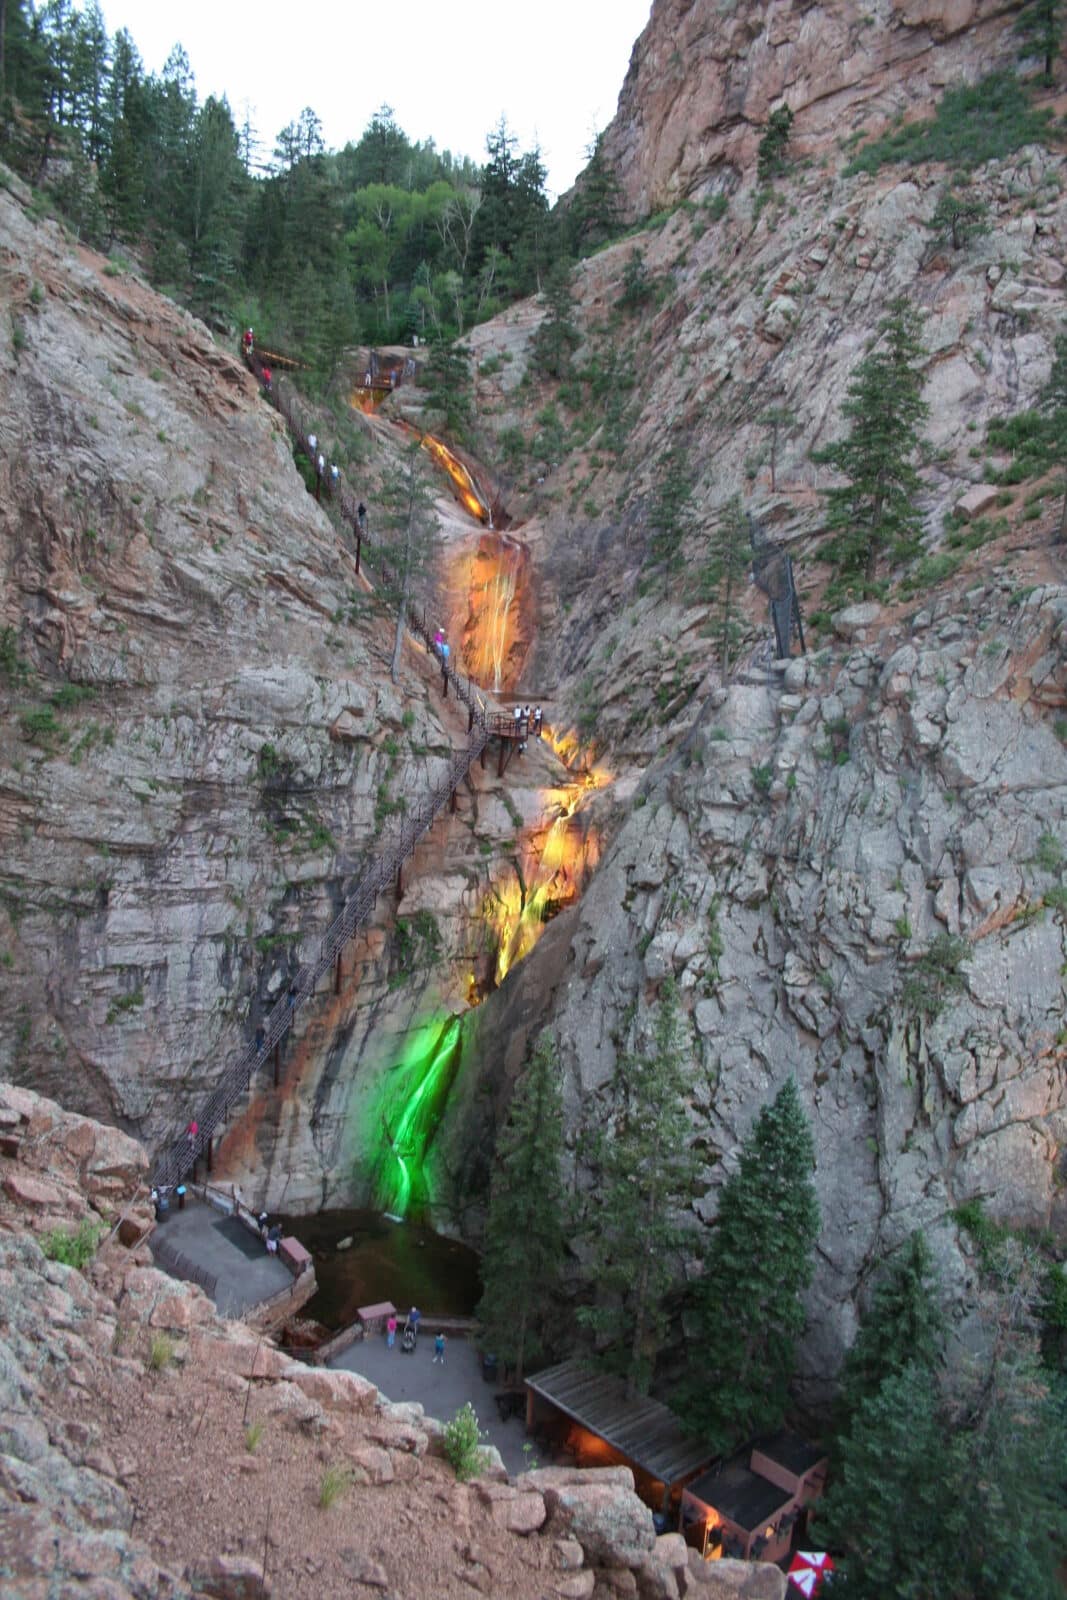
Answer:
(747, 1507)
(587, 1415)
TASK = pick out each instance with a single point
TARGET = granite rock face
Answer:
(704, 78)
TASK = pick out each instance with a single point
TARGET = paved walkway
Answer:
(441, 1389)
(245, 1273)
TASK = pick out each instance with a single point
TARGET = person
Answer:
(313, 445)
(537, 722)
(192, 1130)
(518, 717)
(390, 1331)
(413, 1319)
(526, 717)
(439, 1348)
(366, 380)
(445, 652)
(273, 1239)
(260, 1036)
(266, 379)
(320, 464)
(248, 341)
(263, 1222)
(292, 994)
(335, 476)
(438, 640)
(361, 514)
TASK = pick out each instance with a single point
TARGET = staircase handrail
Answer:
(179, 1158)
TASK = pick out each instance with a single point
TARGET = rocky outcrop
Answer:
(201, 744)
(704, 78)
(149, 1448)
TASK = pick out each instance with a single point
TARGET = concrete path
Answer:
(441, 1389)
(221, 1245)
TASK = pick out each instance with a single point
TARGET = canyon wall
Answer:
(704, 77)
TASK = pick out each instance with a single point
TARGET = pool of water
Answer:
(404, 1262)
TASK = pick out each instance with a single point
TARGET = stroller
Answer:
(407, 1342)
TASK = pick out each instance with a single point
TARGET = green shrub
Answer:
(76, 1248)
(253, 1434)
(972, 124)
(937, 976)
(762, 778)
(1049, 853)
(1031, 441)
(41, 727)
(463, 1446)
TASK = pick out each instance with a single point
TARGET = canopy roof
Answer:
(642, 1430)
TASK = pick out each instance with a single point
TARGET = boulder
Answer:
(853, 621)
(229, 1578)
(977, 501)
(613, 1527)
(335, 1390)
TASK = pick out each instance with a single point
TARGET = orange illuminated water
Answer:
(460, 475)
(555, 862)
(493, 620)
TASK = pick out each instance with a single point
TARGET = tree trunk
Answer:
(402, 609)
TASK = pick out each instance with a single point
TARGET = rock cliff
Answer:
(202, 740)
(704, 78)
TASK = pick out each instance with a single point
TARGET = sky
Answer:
(553, 68)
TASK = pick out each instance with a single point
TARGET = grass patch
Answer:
(332, 1485)
(160, 1353)
(253, 1435)
(74, 1248)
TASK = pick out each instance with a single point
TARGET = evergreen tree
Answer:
(875, 511)
(556, 337)
(524, 1232)
(1054, 404)
(770, 158)
(723, 577)
(410, 525)
(1041, 23)
(902, 1327)
(958, 217)
(758, 1264)
(926, 1502)
(597, 206)
(670, 514)
(447, 380)
(648, 1175)
(636, 282)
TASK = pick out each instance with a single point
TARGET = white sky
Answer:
(554, 68)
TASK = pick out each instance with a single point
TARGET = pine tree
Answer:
(770, 158)
(875, 511)
(758, 1264)
(959, 217)
(597, 207)
(902, 1328)
(524, 1232)
(723, 577)
(893, 1507)
(648, 1175)
(1054, 405)
(556, 337)
(1041, 22)
(670, 515)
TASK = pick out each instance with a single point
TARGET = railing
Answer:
(180, 1157)
(286, 403)
(179, 1265)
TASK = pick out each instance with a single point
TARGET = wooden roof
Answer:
(642, 1430)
